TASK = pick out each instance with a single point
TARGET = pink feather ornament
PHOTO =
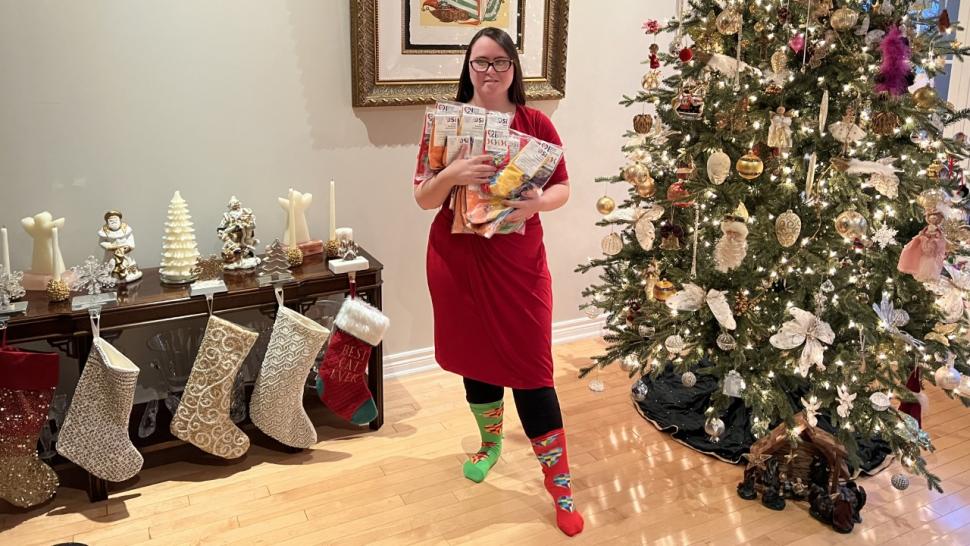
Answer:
(894, 73)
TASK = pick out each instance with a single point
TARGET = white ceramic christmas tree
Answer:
(179, 249)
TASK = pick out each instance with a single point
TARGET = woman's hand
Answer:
(526, 208)
(468, 171)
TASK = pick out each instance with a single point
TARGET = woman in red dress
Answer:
(492, 298)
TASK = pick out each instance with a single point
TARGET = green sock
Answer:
(489, 419)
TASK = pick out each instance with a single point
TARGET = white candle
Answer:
(333, 212)
(58, 265)
(292, 219)
(345, 234)
(6, 249)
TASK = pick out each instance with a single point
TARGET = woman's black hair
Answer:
(516, 91)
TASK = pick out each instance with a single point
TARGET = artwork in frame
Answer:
(411, 51)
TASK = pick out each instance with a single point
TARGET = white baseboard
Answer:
(420, 360)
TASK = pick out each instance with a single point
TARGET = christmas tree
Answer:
(809, 249)
(179, 249)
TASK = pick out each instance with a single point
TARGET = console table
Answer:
(149, 302)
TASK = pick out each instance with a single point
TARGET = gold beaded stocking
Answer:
(202, 418)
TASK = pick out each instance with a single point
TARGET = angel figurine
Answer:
(923, 256)
(779, 133)
(846, 131)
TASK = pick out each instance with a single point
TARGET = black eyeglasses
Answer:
(500, 65)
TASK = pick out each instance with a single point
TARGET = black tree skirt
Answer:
(679, 410)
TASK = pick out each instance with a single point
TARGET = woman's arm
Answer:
(432, 193)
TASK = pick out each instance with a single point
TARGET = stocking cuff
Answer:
(362, 320)
(28, 370)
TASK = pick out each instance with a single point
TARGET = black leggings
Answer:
(538, 408)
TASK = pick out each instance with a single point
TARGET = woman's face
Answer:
(491, 82)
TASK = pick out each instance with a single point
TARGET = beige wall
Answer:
(117, 103)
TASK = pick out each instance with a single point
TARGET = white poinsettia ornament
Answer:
(812, 406)
(846, 401)
(805, 329)
(692, 297)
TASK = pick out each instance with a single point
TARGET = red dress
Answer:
(492, 298)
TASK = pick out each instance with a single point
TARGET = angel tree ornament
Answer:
(237, 230)
(808, 330)
(846, 131)
(118, 241)
(846, 401)
(882, 175)
(779, 132)
(812, 405)
(733, 246)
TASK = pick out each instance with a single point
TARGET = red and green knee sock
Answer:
(550, 449)
(489, 418)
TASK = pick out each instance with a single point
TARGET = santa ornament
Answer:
(733, 246)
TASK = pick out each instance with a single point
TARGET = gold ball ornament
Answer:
(332, 248)
(851, 225)
(728, 22)
(605, 205)
(663, 290)
(749, 166)
(788, 226)
(925, 97)
(57, 291)
(294, 256)
(635, 173)
(642, 123)
(844, 19)
(647, 188)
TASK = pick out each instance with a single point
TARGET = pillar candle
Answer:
(293, 240)
(6, 249)
(333, 212)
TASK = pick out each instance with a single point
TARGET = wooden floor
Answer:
(403, 485)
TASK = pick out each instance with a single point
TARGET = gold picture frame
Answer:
(370, 90)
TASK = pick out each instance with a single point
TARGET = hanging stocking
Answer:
(342, 383)
(915, 409)
(202, 418)
(95, 431)
(277, 402)
(27, 382)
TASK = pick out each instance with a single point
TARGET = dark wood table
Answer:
(149, 302)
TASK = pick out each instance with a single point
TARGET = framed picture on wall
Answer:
(411, 51)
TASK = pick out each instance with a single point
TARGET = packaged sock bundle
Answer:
(522, 163)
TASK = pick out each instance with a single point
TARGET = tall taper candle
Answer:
(6, 249)
(333, 212)
(293, 240)
(58, 265)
